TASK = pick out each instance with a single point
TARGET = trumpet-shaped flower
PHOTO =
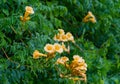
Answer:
(63, 38)
(57, 37)
(58, 48)
(62, 60)
(21, 18)
(78, 58)
(49, 48)
(37, 54)
(89, 17)
(24, 19)
(61, 31)
(70, 37)
(29, 10)
(93, 20)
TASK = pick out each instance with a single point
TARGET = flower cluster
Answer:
(89, 18)
(51, 50)
(78, 67)
(61, 36)
(28, 11)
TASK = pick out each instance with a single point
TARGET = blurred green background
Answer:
(100, 42)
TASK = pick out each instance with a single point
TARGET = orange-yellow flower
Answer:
(90, 14)
(61, 31)
(60, 37)
(24, 19)
(37, 54)
(21, 18)
(29, 9)
(70, 37)
(49, 48)
(78, 58)
(57, 37)
(58, 48)
(93, 20)
(63, 38)
(61, 75)
(62, 60)
(78, 67)
(82, 67)
(89, 17)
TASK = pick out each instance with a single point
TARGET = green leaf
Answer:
(5, 11)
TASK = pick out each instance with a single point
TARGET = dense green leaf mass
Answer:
(100, 42)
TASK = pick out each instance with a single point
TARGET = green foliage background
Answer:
(100, 42)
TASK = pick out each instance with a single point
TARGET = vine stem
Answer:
(12, 60)
(23, 42)
(23, 23)
(78, 47)
(9, 58)
(71, 23)
(5, 54)
(16, 33)
(13, 29)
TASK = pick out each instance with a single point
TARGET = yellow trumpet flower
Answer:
(89, 17)
(58, 48)
(37, 54)
(62, 60)
(49, 48)
(28, 10)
